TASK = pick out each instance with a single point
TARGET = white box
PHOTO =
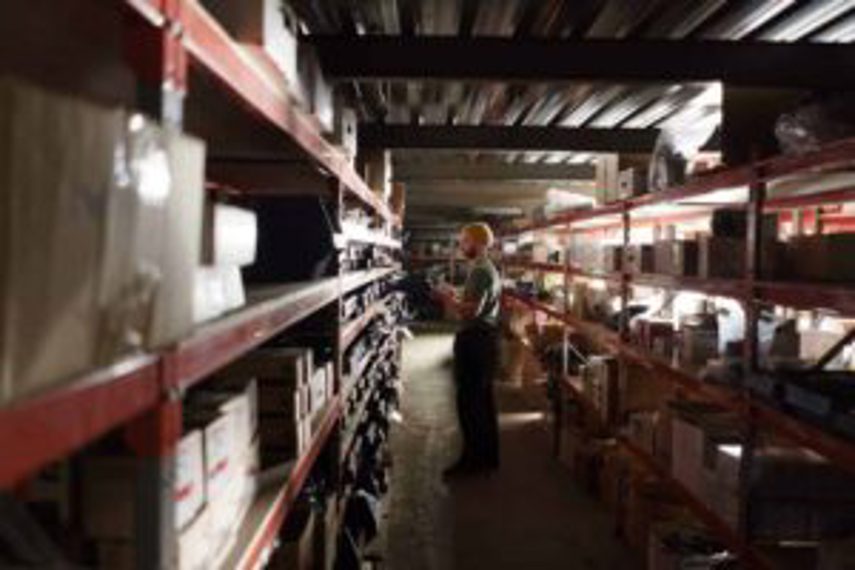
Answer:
(318, 391)
(221, 474)
(216, 290)
(243, 410)
(194, 543)
(108, 486)
(231, 235)
(189, 492)
(631, 182)
(263, 23)
(219, 447)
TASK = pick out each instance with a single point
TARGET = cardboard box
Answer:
(283, 434)
(631, 182)
(825, 258)
(229, 236)
(604, 386)
(281, 400)
(292, 366)
(676, 257)
(190, 492)
(696, 432)
(220, 450)
(193, 549)
(640, 259)
(663, 257)
(613, 258)
(317, 391)
(638, 390)
(685, 258)
(697, 345)
(108, 490)
(721, 258)
(194, 543)
(263, 23)
(237, 397)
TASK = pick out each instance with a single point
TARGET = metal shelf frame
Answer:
(708, 517)
(142, 394)
(831, 156)
(832, 447)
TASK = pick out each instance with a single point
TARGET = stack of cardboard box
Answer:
(292, 391)
(216, 465)
(228, 417)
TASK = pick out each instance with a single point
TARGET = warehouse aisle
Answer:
(526, 516)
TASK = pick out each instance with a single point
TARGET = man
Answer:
(476, 353)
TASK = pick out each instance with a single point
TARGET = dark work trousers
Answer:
(476, 360)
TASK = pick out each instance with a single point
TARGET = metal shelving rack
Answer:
(752, 291)
(142, 394)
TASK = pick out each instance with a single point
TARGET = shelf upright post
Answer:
(754, 239)
(558, 399)
(623, 323)
(337, 190)
(565, 363)
(153, 439)
(625, 276)
(159, 58)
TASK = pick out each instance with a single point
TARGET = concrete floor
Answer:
(528, 515)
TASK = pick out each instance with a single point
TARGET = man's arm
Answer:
(469, 304)
(465, 307)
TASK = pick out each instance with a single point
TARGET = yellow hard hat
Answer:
(479, 232)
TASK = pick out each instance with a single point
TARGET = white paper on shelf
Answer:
(216, 291)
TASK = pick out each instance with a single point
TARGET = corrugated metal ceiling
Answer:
(571, 105)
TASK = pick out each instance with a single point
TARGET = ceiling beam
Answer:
(475, 137)
(542, 59)
(458, 170)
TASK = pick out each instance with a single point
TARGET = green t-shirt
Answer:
(484, 285)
